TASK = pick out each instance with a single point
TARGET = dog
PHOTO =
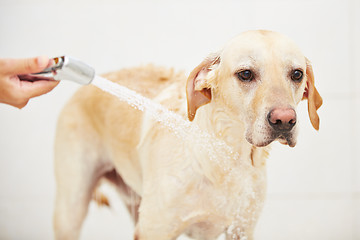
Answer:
(244, 95)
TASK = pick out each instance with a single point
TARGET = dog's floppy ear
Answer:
(198, 91)
(312, 95)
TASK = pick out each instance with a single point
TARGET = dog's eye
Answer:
(297, 75)
(245, 76)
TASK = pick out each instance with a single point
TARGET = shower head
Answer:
(64, 68)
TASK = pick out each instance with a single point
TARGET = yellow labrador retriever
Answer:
(246, 95)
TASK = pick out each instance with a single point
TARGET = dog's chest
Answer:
(205, 230)
(229, 208)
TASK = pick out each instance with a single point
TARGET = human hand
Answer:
(16, 92)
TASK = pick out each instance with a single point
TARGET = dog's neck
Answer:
(219, 122)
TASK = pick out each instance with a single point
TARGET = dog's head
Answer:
(259, 77)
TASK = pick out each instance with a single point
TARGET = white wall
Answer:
(313, 189)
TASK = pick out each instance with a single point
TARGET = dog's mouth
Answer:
(286, 138)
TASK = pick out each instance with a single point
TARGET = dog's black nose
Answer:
(282, 119)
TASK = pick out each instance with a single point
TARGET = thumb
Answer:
(27, 65)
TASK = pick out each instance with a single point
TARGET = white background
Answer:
(313, 189)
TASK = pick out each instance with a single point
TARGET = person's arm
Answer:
(16, 92)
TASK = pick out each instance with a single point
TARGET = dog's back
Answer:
(95, 129)
(91, 108)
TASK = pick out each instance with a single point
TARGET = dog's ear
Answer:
(198, 90)
(312, 95)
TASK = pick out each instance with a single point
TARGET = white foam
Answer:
(204, 142)
(181, 127)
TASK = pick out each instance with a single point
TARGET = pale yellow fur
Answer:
(182, 189)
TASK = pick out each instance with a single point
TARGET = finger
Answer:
(37, 88)
(25, 66)
(21, 104)
(15, 102)
(11, 93)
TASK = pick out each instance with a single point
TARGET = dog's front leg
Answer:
(240, 231)
(154, 233)
(240, 235)
(155, 230)
(157, 221)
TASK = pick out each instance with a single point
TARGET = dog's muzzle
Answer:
(282, 121)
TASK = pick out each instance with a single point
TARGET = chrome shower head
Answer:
(64, 68)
